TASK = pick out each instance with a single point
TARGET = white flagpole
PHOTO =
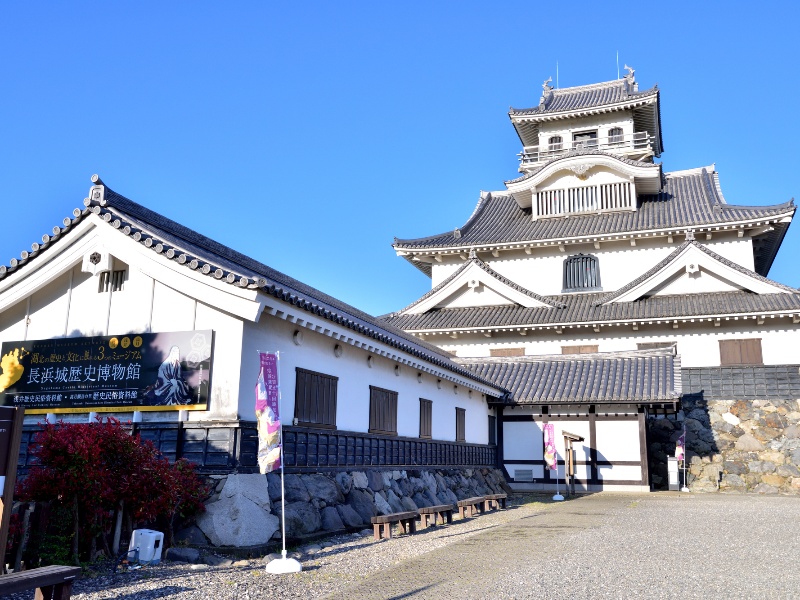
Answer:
(283, 564)
(685, 487)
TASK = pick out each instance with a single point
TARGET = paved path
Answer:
(614, 546)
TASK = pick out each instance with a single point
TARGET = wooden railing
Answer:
(641, 141)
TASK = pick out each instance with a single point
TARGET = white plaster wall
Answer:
(12, 323)
(131, 308)
(620, 263)
(88, 309)
(355, 376)
(172, 310)
(697, 343)
(52, 299)
(600, 122)
(523, 440)
(618, 441)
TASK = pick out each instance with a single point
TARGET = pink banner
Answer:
(550, 447)
(267, 414)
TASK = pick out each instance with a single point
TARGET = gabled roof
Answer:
(584, 97)
(688, 200)
(635, 377)
(476, 263)
(641, 285)
(202, 254)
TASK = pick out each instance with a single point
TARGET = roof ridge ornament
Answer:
(547, 93)
(630, 80)
(97, 193)
(472, 253)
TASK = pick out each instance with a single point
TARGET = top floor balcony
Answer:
(637, 146)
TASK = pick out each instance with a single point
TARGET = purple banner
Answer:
(550, 447)
(268, 414)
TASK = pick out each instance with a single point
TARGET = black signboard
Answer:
(145, 371)
(6, 429)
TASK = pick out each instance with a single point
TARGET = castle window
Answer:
(112, 281)
(740, 352)
(425, 420)
(584, 139)
(315, 399)
(461, 422)
(615, 135)
(581, 273)
(555, 143)
(382, 411)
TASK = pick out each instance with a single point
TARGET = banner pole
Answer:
(283, 564)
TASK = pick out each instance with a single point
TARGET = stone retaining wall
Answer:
(244, 509)
(733, 445)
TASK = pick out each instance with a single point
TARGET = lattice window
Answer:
(492, 430)
(382, 411)
(555, 143)
(615, 135)
(581, 273)
(315, 399)
(112, 281)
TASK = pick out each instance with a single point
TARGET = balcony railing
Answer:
(607, 197)
(635, 143)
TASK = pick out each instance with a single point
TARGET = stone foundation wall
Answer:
(733, 445)
(244, 509)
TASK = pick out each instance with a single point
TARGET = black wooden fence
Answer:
(222, 447)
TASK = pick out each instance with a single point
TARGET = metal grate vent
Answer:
(523, 474)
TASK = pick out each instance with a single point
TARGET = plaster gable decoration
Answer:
(474, 285)
(581, 170)
(97, 261)
(695, 269)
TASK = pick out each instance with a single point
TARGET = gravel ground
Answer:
(598, 546)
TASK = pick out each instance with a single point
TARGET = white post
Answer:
(283, 564)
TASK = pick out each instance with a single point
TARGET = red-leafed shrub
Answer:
(89, 470)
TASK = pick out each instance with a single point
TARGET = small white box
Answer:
(149, 544)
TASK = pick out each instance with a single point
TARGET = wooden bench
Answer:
(495, 501)
(468, 505)
(51, 583)
(406, 520)
(433, 515)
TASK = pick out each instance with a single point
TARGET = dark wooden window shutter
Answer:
(315, 399)
(425, 418)
(740, 352)
(460, 424)
(382, 411)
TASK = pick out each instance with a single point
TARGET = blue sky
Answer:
(308, 135)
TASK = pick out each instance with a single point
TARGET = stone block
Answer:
(331, 521)
(253, 486)
(773, 479)
(182, 554)
(301, 519)
(765, 488)
(383, 506)
(376, 481)
(350, 517)
(237, 521)
(295, 489)
(362, 502)
(193, 535)
(360, 480)
(345, 482)
(748, 443)
(274, 486)
(322, 488)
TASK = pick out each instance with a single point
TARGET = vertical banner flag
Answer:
(550, 446)
(269, 424)
(680, 446)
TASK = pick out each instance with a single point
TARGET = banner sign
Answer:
(268, 414)
(550, 446)
(145, 371)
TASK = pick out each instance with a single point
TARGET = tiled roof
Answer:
(489, 271)
(686, 200)
(200, 253)
(610, 296)
(775, 382)
(586, 308)
(644, 376)
(585, 97)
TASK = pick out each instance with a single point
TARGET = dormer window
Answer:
(584, 139)
(555, 143)
(581, 274)
(615, 136)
